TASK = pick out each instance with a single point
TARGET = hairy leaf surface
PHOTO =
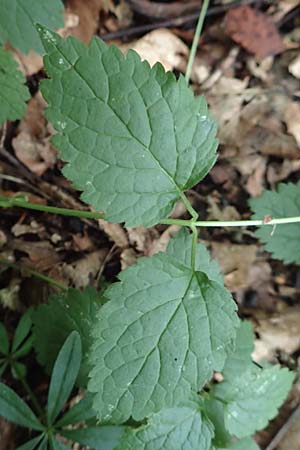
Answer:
(52, 324)
(163, 332)
(283, 242)
(179, 428)
(13, 92)
(134, 137)
(18, 19)
(255, 399)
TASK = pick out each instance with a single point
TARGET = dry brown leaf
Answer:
(115, 232)
(128, 258)
(253, 30)
(280, 332)
(82, 272)
(142, 238)
(294, 67)
(37, 156)
(87, 13)
(235, 261)
(19, 229)
(41, 254)
(292, 120)
(29, 64)
(160, 245)
(162, 46)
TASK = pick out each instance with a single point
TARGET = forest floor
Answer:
(248, 67)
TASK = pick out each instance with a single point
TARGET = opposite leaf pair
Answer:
(50, 425)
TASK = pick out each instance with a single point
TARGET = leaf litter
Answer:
(248, 66)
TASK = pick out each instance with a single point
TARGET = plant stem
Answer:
(196, 40)
(194, 246)
(35, 273)
(230, 223)
(189, 207)
(11, 202)
(33, 398)
(181, 222)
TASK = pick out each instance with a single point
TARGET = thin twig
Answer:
(195, 43)
(175, 22)
(284, 429)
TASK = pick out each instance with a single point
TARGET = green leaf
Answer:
(44, 444)
(176, 428)
(102, 438)
(240, 360)
(22, 330)
(4, 341)
(30, 445)
(18, 370)
(254, 399)
(134, 138)
(25, 348)
(164, 331)
(3, 365)
(81, 412)
(52, 324)
(18, 19)
(64, 374)
(243, 444)
(15, 410)
(57, 445)
(215, 411)
(180, 247)
(283, 242)
(13, 92)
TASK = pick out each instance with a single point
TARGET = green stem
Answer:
(35, 273)
(196, 40)
(184, 223)
(33, 398)
(230, 223)
(11, 202)
(189, 207)
(194, 246)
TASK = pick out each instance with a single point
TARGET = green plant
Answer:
(135, 139)
(18, 18)
(52, 422)
(21, 344)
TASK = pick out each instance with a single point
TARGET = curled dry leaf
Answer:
(292, 120)
(254, 31)
(115, 233)
(162, 46)
(87, 13)
(294, 67)
(235, 261)
(280, 332)
(81, 273)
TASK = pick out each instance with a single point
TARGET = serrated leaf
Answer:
(134, 138)
(13, 92)
(240, 359)
(243, 444)
(14, 409)
(214, 410)
(80, 412)
(4, 341)
(22, 331)
(52, 324)
(180, 247)
(98, 438)
(164, 331)
(284, 241)
(18, 19)
(64, 374)
(179, 428)
(254, 399)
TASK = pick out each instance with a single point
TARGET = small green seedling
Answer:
(50, 427)
(20, 346)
